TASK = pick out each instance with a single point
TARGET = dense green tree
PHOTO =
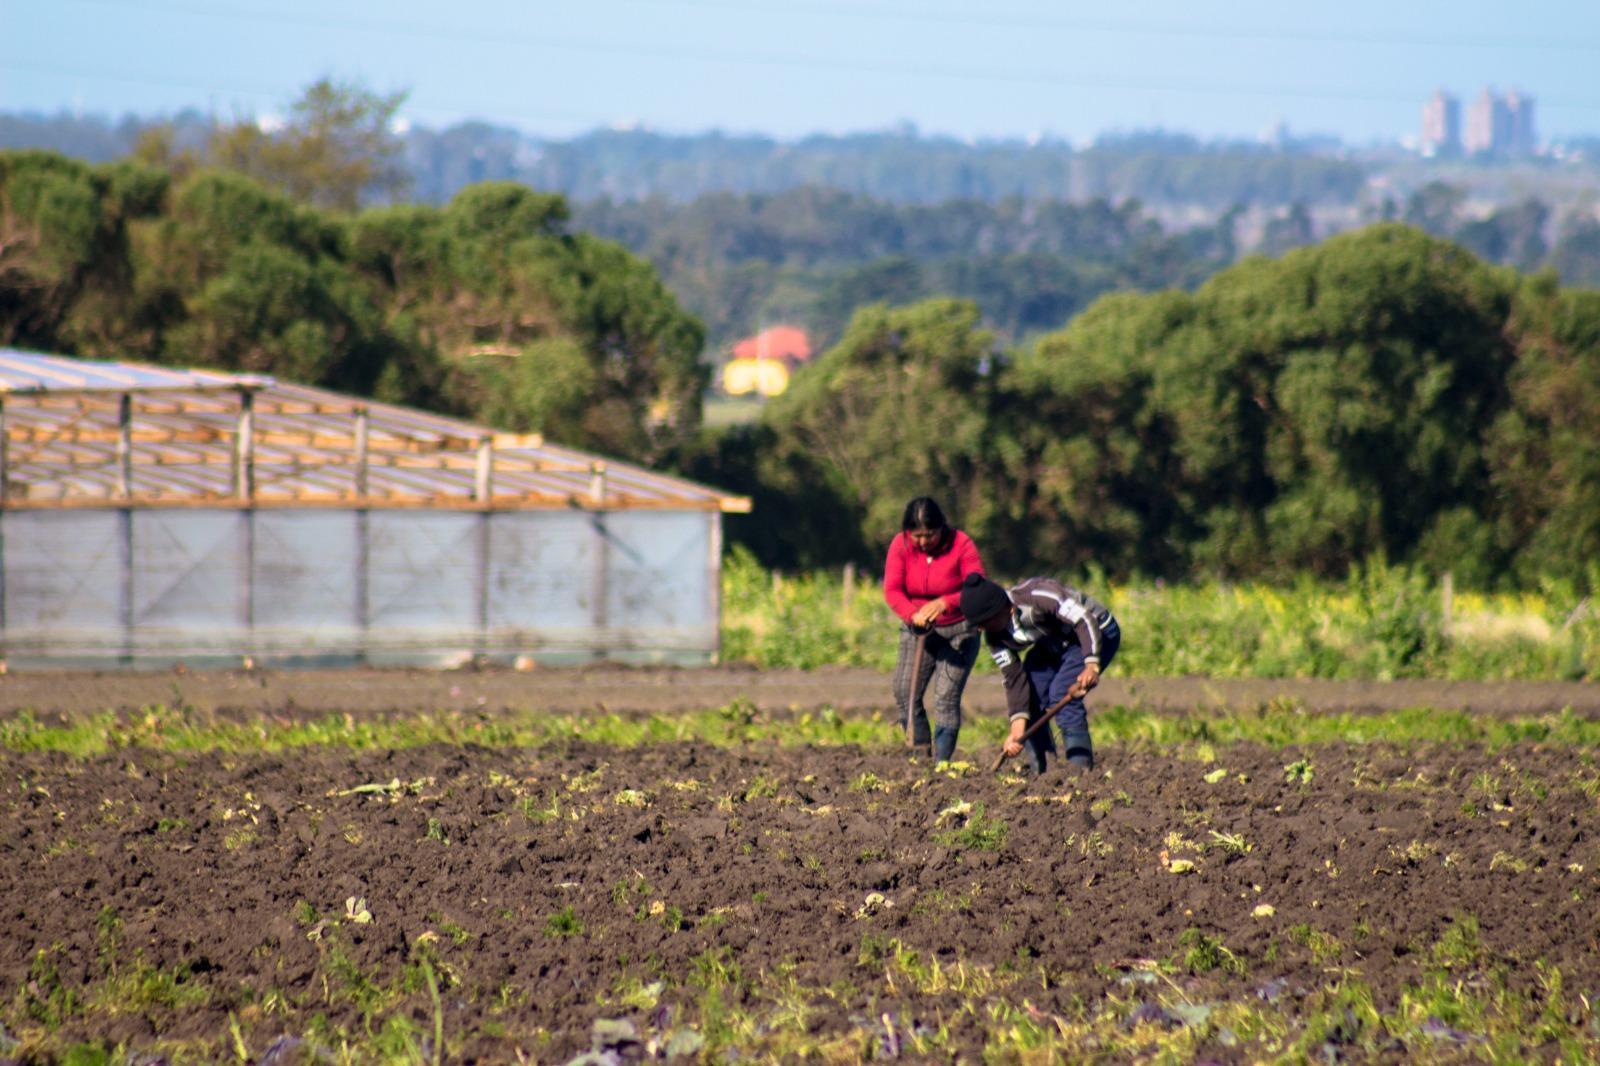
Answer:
(488, 308)
(1096, 451)
(541, 329)
(1545, 450)
(64, 249)
(236, 276)
(1383, 394)
(1297, 414)
(902, 406)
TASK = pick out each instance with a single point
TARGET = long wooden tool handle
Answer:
(1044, 720)
(911, 700)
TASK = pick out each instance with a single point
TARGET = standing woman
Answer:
(922, 585)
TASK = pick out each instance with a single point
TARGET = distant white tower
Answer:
(1441, 125)
(1488, 125)
(1522, 139)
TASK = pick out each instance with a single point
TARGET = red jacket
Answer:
(912, 578)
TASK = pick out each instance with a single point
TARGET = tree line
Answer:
(900, 165)
(1382, 394)
(489, 308)
(811, 256)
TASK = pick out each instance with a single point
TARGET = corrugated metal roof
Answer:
(66, 445)
(33, 372)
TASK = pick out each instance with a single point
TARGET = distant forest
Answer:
(748, 231)
(899, 166)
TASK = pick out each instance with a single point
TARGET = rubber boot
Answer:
(1080, 749)
(944, 742)
(1037, 745)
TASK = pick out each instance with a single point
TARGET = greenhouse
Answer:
(152, 516)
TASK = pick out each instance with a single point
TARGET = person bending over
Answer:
(1050, 641)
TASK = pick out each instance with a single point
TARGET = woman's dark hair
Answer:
(923, 513)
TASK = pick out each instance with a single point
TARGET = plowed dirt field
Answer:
(1347, 901)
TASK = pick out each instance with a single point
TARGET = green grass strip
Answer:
(1280, 724)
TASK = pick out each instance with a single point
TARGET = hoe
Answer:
(1042, 721)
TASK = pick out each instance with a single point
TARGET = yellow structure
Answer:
(741, 377)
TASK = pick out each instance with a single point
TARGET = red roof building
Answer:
(788, 343)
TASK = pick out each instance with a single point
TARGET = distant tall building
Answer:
(1500, 126)
(1523, 140)
(1441, 125)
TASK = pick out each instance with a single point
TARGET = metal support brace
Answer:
(362, 427)
(5, 455)
(244, 448)
(125, 446)
(483, 483)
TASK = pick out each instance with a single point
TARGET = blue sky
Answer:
(1359, 69)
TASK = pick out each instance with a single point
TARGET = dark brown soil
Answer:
(207, 862)
(622, 689)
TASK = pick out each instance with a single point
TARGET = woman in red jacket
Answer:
(922, 585)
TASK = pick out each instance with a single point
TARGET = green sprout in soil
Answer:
(1298, 772)
(563, 923)
(1232, 843)
(1323, 947)
(978, 833)
(535, 813)
(762, 786)
(1459, 947)
(1203, 953)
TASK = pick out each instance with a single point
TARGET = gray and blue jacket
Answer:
(1045, 610)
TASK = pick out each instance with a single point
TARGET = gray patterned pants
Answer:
(947, 660)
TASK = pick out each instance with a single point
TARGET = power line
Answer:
(275, 95)
(767, 59)
(1004, 20)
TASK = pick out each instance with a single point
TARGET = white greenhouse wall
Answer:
(153, 587)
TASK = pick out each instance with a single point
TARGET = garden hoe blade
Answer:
(1037, 724)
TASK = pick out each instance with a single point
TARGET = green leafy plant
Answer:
(563, 923)
(977, 832)
(1203, 953)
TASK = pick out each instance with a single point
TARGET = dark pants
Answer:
(1052, 668)
(947, 658)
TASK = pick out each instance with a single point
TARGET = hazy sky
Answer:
(1008, 68)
